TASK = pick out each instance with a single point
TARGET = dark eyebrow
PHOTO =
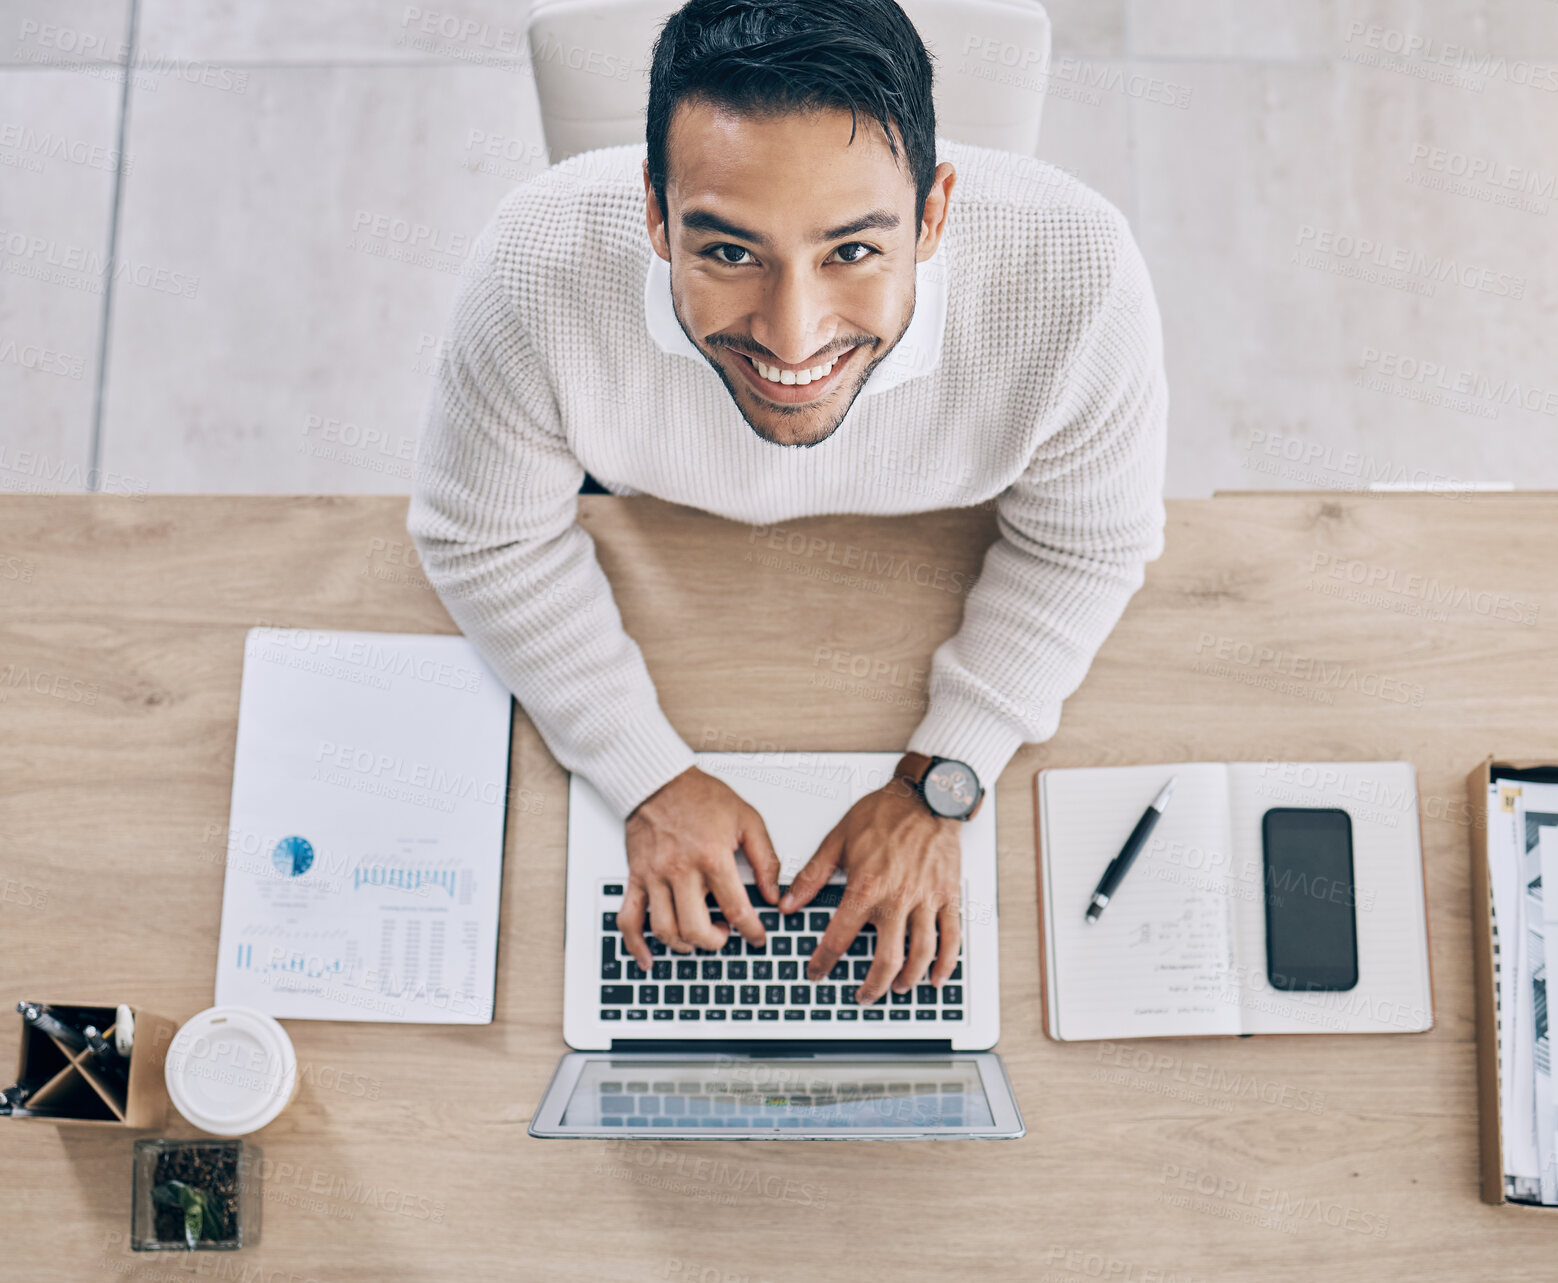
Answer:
(706, 220)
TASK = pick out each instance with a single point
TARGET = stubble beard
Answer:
(795, 411)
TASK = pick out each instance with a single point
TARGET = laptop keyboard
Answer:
(651, 1103)
(743, 983)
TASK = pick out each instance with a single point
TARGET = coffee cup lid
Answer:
(231, 1070)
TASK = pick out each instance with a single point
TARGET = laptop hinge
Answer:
(759, 1049)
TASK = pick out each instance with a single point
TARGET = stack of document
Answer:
(1522, 857)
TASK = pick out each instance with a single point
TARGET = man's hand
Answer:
(905, 868)
(681, 842)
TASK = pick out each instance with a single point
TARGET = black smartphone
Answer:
(1311, 918)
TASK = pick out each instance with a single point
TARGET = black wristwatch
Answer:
(949, 787)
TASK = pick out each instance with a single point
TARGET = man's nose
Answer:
(792, 321)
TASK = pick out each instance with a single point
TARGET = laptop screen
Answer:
(758, 1094)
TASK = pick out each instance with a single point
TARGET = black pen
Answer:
(106, 1058)
(41, 1018)
(1120, 865)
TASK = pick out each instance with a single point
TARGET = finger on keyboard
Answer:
(922, 946)
(816, 871)
(630, 921)
(692, 914)
(949, 932)
(888, 961)
(841, 932)
(662, 916)
(734, 900)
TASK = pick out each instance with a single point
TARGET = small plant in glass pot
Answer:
(195, 1195)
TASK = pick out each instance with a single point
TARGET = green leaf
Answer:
(213, 1218)
(201, 1217)
(168, 1194)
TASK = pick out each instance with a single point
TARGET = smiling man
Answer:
(789, 390)
(834, 310)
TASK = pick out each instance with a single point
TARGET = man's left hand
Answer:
(904, 866)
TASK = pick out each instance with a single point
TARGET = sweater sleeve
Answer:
(493, 516)
(1076, 531)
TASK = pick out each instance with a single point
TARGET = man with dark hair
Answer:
(876, 347)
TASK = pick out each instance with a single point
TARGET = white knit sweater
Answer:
(1031, 374)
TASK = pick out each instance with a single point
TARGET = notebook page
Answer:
(1392, 994)
(1157, 959)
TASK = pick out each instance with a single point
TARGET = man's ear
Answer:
(934, 221)
(654, 218)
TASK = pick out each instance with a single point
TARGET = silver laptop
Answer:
(736, 1043)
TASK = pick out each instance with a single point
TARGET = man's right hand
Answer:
(681, 843)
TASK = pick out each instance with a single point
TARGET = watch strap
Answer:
(912, 768)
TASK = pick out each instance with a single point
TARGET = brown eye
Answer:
(856, 245)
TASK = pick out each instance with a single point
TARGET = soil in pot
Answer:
(211, 1168)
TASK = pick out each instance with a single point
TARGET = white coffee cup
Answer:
(231, 1070)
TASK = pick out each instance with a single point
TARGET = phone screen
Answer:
(1311, 920)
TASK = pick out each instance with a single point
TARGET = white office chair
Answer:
(591, 60)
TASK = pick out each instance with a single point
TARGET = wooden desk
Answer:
(405, 1153)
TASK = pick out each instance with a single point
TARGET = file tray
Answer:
(1490, 1123)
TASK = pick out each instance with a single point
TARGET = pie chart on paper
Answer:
(293, 857)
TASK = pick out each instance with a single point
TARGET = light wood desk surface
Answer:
(405, 1153)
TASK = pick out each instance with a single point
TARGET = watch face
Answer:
(951, 788)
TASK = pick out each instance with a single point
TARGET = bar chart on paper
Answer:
(366, 836)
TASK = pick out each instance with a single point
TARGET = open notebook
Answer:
(1181, 948)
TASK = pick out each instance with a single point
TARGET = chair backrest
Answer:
(591, 61)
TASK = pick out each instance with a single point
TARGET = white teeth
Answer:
(800, 377)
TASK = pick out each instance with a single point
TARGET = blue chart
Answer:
(455, 882)
(292, 856)
(278, 961)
